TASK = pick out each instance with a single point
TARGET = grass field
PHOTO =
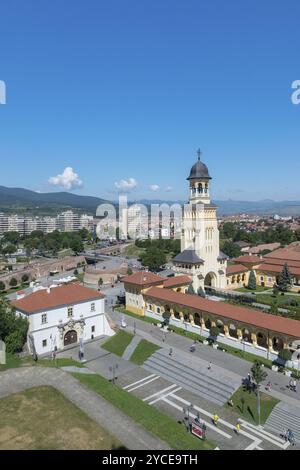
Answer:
(43, 419)
(118, 343)
(13, 362)
(133, 251)
(245, 405)
(156, 422)
(144, 350)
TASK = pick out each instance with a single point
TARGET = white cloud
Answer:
(154, 187)
(126, 185)
(169, 188)
(67, 180)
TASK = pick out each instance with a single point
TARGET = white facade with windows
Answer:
(55, 328)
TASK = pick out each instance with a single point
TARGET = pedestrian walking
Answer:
(209, 366)
(164, 337)
(291, 384)
(216, 419)
(269, 387)
(238, 428)
(295, 386)
(171, 352)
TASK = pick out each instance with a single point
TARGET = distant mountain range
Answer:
(24, 200)
(19, 199)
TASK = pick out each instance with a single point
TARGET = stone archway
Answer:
(70, 337)
(210, 280)
(277, 344)
(262, 340)
(232, 330)
(220, 325)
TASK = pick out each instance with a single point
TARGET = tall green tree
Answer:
(252, 281)
(258, 375)
(154, 259)
(13, 329)
(285, 279)
(231, 249)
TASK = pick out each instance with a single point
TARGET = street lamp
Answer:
(245, 340)
(134, 327)
(187, 411)
(113, 370)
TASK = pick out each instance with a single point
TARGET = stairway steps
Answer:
(196, 390)
(182, 365)
(185, 379)
(196, 376)
(280, 419)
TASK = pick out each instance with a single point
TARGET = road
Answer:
(225, 361)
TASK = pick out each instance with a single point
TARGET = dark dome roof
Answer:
(199, 170)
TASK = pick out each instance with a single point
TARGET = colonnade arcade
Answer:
(258, 337)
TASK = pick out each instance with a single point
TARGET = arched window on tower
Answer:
(200, 188)
(206, 188)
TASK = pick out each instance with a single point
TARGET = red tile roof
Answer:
(274, 268)
(143, 278)
(177, 281)
(284, 254)
(248, 259)
(236, 269)
(281, 262)
(240, 314)
(69, 294)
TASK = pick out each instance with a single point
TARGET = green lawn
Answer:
(118, 343)
(133, 251)
(258, 289)
(13, 361)
(245, 405)
(144, 350)
(41, 418)
(156, 422)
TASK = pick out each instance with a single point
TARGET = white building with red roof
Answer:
(62, 316)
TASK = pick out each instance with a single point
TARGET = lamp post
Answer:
(134, 328)
(244, 344)
(187, 411)
(113, 370)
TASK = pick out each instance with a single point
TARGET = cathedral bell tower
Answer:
(200, 255)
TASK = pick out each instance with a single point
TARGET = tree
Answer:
(258, 376)
(153, 259)
(13, 328)
(274, 307)
(2, 286)
(229, 230)
(285, 355)
(129, 272)
(13, 282)
(231, 249)
(285, 279)
(9, 249)
(252, 281)
(25, 278)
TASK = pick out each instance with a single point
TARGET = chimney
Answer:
(48, 290)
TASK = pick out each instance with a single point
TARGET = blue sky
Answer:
(121, 89)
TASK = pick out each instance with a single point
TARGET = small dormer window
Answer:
(44, 318)
(93, 307)
(70, 312)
